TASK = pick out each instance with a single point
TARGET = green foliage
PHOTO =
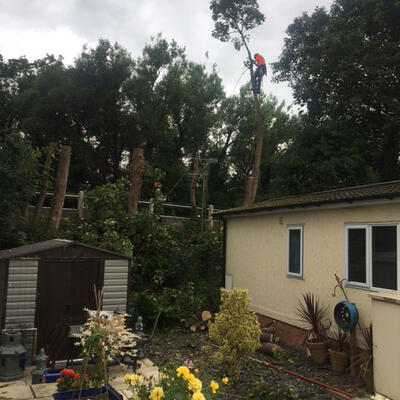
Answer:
(18, 182)
(235, 16)
(235, 330)
(344, 66)
(261, 390)
(175, 269)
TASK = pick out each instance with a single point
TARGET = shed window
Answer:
(295, 251)
(372, 255)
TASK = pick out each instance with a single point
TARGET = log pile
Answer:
(269, 340)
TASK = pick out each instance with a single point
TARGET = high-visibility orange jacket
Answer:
(259, 60)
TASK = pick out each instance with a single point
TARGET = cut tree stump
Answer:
(270, 348)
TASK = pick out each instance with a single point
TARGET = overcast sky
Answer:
(35, 27)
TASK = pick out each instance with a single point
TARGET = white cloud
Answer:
(36, 27)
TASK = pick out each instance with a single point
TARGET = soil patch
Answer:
(184, 345)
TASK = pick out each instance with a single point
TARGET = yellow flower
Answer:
(196, 371)
(157, 393)
(198, 396)
(127, 377)
(184, 371)
(225, 380)
(164, 376)
(134, 379)
(214, 386)
(195, 385)
(147, 378)
(190, 378)
(136, 397)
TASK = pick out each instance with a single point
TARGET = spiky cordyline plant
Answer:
(311, 312)
(366, 332)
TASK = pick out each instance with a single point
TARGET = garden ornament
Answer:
(11, 351)
(38, 373)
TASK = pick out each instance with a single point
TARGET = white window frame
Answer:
(368, 256)
(301, 229)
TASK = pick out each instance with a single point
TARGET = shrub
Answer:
(235, 330)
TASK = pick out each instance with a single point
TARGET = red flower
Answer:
(64, 372)
(58, 380)
(70, 372)
(76, 376)
(73, 384)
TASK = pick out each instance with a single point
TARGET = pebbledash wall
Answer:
(256, 257)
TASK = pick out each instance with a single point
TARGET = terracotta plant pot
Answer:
(339, 360)
(319, 352)
(367, 374)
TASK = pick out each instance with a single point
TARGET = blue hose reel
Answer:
(346, 315)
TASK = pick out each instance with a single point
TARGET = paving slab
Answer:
(44, 389)
(151, 372)
(16, 390)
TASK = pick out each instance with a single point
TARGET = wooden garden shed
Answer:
(42, 283)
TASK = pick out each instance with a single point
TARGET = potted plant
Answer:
(366, 361)
(103, 338)
(311, 312)
(337, 355)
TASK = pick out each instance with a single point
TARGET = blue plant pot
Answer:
(113, 395)
(51, 375)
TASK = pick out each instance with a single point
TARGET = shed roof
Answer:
(35, 249)
(383, 190)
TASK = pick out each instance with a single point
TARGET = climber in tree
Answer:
(261, 70)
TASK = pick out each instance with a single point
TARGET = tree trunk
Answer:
(136, 175)
(60, 186)
(193, 182)
(252, 179)
(45, 183)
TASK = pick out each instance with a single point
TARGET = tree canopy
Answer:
(344, 66)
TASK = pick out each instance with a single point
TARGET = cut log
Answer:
(269, 329)
(61, 186)
(266, 337)
(205, 316)
(269, 348)
(136, 175)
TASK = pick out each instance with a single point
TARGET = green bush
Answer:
(175, 268)
(235, 331)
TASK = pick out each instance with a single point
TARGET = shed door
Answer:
(64, 289)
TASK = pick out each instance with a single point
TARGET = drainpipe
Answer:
(224, 232)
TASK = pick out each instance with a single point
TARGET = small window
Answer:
(295, 251)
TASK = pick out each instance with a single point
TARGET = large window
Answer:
(372, 257)
(295, 251)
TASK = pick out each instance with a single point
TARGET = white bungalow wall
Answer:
(115, 285)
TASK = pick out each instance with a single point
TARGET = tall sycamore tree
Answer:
(234, 19)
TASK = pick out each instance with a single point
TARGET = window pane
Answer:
(384, 257)
(356, 255)
(294, 251)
